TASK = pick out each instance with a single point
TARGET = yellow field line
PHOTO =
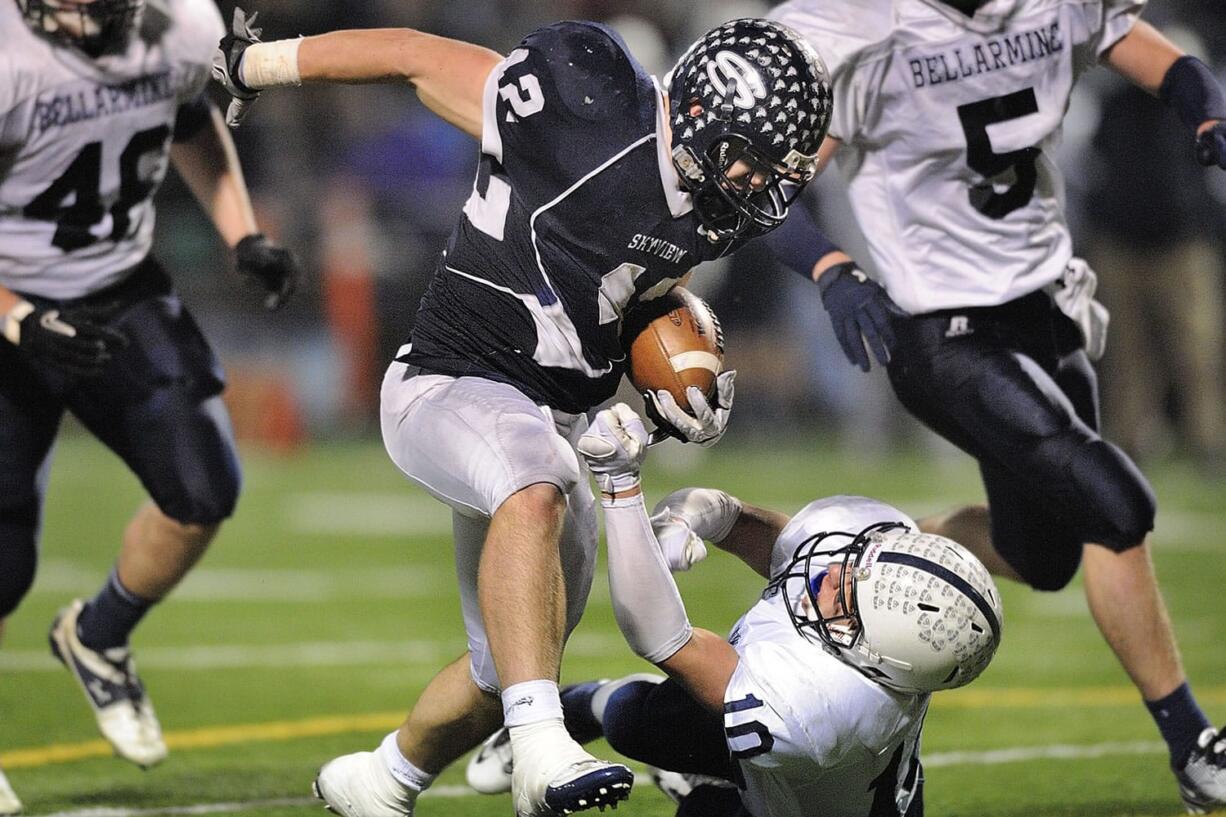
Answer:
(211, 737)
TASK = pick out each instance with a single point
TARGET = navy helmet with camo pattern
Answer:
(753, 91)
(97, 27)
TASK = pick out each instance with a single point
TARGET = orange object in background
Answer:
(264, 408)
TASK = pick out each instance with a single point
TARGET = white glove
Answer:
(708, 513)
(614, 447)
(682, 548)
(709, 422)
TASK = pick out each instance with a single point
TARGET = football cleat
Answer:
(489, 770)
(678, 785)
(113, 690)
(1202, 780)
(553, 775)
(9, 804)
(361, 785)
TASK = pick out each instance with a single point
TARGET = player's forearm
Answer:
(1143, 56)
(704, 666)
(646, 602)
(449, 75)
(752, 537)
(209, 166)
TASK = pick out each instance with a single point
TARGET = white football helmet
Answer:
(922, 613)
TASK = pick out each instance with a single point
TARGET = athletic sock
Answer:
(530, 702)
(109, 617)
(577, 711)
(406, 774)
(1180, 721)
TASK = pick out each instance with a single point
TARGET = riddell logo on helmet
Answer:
(731, 73)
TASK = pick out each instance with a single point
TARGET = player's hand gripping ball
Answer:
(676, 350)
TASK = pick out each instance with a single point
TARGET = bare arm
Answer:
(449, 75)
(210, 168)
(752, 537)
(703, 666)
(1143, 56)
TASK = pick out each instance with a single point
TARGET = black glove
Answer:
(226, 61)
(858, 306)
(73, 345)
(1211, 146)
(274, 267)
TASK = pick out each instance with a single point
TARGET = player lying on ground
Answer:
(98, 98)
(993, 316)
(814, 704)
(592, 196)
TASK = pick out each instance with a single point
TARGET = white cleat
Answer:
(678, 785)
(489, 770)
(9, 804)
(361, 785)
(553, 776)
(1202, 780)
(113, 689)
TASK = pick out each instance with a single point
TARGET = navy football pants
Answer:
(1011, 386)
(157, 406)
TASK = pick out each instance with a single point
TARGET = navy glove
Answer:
(1211, 146)
(860, 310)
(274, 267)
(73, 345)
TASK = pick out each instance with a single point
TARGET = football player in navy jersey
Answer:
(97, 99)
(993, 315)
(593, 194)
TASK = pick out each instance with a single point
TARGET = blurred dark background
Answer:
(365, 184)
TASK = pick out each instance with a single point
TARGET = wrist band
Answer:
(1191, 89)
(271, 65)
(12, 321)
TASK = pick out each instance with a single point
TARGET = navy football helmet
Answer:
(752, 95)
(96, 27)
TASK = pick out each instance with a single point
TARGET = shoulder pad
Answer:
(593, 73)
(838, 30)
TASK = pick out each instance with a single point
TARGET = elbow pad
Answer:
(1191, 89)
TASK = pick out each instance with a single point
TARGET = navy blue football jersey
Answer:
(576, 216)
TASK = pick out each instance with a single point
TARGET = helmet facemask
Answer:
(97, 28)
(813, 561)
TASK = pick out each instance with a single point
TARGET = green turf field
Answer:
(328, 602)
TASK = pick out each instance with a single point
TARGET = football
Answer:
(674, 342)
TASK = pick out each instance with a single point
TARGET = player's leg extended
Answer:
(157, 408)
(500, 462)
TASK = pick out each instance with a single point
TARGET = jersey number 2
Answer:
(976, 117)
(74, 200)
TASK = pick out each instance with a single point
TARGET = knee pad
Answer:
(1117, 499)
(202, 486)
(18, 551)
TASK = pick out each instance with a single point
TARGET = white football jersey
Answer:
(813, 737)
(948, 125)
(84, 145)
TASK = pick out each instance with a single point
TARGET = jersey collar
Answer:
(678, 199)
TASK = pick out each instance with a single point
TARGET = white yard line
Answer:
(316, 654)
